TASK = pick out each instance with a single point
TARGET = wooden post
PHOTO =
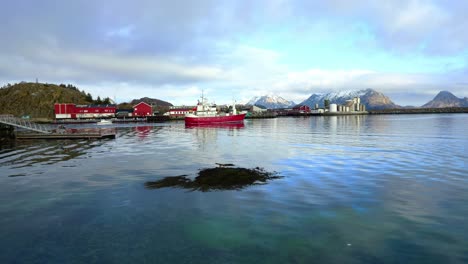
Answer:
(7, 132)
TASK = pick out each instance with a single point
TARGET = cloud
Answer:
(403, 88)
(432, 27)
(178, 95)
(56, 64)
(235, 48)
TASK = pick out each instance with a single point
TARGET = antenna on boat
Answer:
(234, 110)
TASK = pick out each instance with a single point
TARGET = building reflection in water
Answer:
(143, 131)
(340, 124)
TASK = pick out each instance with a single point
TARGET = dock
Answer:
(24, 129)
(65, 136)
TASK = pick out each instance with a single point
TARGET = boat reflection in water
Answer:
(208, 135)
(224, 177)
(217, 125)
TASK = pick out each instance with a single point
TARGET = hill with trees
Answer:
(37, 100)
(158, 105)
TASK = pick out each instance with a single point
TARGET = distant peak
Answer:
(445, 93)
(270, 101)
(445, 99)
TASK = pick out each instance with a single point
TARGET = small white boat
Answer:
(104, 122)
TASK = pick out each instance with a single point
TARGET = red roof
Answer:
(141, 103)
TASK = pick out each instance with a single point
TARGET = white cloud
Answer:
(169, 50)
(416, 16)
(127, 91)
(57, 64)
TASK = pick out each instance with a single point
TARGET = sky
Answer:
(234, 50)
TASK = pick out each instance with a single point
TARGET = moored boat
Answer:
(104, 122)
(205, 113)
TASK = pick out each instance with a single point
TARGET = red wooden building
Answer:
(301, 109)
(142, 109)
(65, 111)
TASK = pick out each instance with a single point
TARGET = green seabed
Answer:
(337, 234)
(344, 236)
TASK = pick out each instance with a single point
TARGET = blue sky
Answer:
(171, 50)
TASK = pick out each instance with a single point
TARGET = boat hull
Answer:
(204, 120)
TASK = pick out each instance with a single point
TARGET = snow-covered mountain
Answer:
(369, 97)
(271, 101)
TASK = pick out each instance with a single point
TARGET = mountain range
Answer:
(271, 102)
(372, 99)
(37, 99)
(369, 97)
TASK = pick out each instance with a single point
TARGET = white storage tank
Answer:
(332, 108)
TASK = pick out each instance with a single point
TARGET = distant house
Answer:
(301, 109)
(65, 111)
(142, 109)
(120, 113)
(180, 111)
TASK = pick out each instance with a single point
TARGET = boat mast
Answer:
(234, 110)
(202, 98)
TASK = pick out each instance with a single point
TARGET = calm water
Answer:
(357, 189)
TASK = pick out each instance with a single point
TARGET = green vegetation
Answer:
(37, 100)
(219, 178)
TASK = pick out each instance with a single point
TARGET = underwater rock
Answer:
(219, 178)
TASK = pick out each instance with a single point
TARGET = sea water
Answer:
(353, 189)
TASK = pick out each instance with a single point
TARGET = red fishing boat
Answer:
(205, 113)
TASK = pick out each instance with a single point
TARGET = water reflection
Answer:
(208, 136)
(227, 125)
(363, 189)
(340, 124)
(29, 153)
(223, 177)
(6, 144)
(143, 131)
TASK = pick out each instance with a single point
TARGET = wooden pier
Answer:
(29, 130)
(65, 136)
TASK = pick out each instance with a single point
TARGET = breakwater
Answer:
(420, 110)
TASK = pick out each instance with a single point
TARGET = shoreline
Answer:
(445, 110)
(157, 119)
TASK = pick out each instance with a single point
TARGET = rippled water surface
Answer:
(354, 189)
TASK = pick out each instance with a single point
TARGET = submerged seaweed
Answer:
(219, 178)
